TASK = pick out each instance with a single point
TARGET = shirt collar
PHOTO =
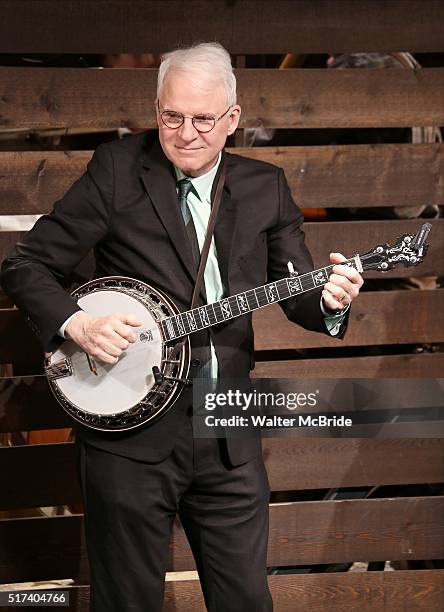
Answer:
(202, 184)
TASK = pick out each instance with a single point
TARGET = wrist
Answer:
(76, 324)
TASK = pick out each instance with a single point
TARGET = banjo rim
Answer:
(145, 411)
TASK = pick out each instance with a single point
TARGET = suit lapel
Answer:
(224, 230)
(158, 178)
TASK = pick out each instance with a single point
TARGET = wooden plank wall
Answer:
(316, 517)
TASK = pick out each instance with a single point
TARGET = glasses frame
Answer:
(214, 119)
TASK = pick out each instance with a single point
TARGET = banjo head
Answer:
(125, 395)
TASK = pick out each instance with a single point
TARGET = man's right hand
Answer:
(104, 338)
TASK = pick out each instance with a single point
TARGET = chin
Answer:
(189, 168)
(186, 167)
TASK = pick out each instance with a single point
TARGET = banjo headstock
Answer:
(408, 250)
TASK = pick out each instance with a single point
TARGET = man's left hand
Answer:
(343, 285)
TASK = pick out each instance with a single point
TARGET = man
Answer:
(126, 207)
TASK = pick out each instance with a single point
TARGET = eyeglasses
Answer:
(203, 123)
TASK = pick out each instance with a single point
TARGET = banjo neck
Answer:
(408, 250)
(228, 308)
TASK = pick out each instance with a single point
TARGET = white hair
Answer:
(208, 59)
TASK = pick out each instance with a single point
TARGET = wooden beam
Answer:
(354, 176)
(411, 591)
(294, 528)
(38, 98)
(421, 365)
(27, 404)
(300, 533)
(54, 483)
(349, 237)
(389, 317)
(50, 474)
(49, 26)
(327, 463)
(326, 176)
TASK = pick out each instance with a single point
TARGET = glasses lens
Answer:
(172, 119)
(202, 123)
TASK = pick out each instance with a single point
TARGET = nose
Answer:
(187, 131)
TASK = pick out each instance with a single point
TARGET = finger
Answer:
(341, 281)
(341, 288)
(103, 329)
(339, 293)
(337, 258)
(124, 331)
(331, 302)
(105, 346)
(129, 319)
(350, 273)
(119, 341)
(104, 357)
(112, 349)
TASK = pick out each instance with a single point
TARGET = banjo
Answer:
(151, 373)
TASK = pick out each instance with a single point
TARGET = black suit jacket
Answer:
(125, 208)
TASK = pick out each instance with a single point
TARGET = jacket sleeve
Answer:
(286, 242)
(33, 272)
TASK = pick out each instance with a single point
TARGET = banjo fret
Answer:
(174, 327)
(261, 296)
(282, 289)
(251, 298)
(272, 293)
(204, 316)
(191, 321)
(319, 277)
(242, 302)
(180, 326)
(226, 309)
(234, 305)
(293, 285)
(217, 312)
(170, 329)
(196, 315)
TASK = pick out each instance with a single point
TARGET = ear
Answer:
(233, 119)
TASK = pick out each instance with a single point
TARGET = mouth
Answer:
(188, 150)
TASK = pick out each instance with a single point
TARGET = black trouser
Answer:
(129, 510)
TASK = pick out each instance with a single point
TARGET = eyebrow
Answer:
(205, 113)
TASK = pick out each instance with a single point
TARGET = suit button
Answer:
(195, 363)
